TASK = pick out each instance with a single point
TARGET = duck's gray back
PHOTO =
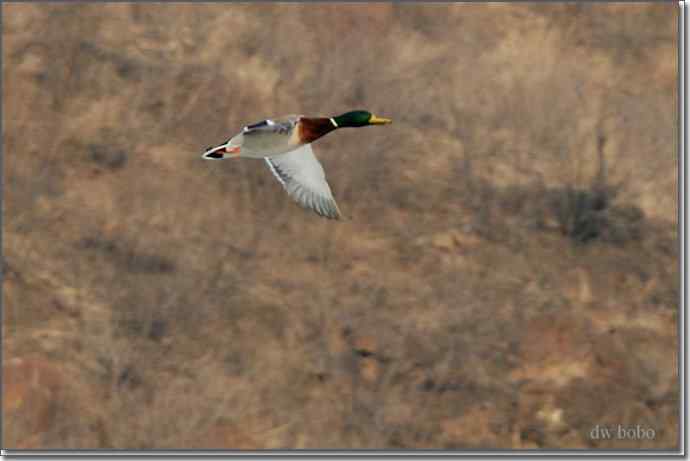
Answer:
(268, 137)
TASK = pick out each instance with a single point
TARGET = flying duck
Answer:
(285, 145)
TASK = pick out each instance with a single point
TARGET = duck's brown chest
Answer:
(311, 129)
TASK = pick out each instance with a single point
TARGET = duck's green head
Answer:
(359, 118)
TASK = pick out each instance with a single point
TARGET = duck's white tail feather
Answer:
(221, 152)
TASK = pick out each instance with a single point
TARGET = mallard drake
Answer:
(285, 145)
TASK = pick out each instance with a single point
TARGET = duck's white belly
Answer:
(261, 146)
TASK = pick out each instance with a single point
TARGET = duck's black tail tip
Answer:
(221, 152)
(212, 155)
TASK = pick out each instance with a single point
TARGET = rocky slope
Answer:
(508, 277)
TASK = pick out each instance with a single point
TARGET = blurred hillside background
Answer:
(508, 277)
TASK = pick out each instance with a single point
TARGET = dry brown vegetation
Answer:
(508, 277)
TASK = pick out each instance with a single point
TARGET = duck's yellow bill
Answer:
(374, 120)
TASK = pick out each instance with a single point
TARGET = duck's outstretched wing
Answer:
(303, 178)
